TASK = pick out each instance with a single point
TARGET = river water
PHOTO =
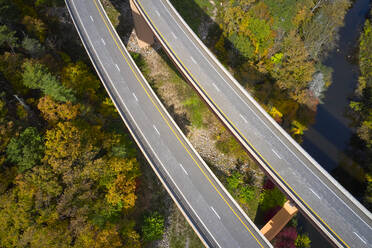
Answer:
(328, 138)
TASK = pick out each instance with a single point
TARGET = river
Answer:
(328, 138)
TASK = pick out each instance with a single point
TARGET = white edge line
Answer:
(360, 238)
(317, 166)
(185, 139)
(235, 204)
(278, 127)
(136, 139)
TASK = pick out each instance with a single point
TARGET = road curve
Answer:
(211, 211)
(321, 198)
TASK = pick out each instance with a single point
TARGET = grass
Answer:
(112, 13)
(181, 233)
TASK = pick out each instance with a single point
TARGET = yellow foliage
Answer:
(53, 111)
(122, 191)
(62, 142)
(275, 113)
(35, 26)
(298, 128)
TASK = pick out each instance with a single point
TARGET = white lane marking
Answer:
(314, 193)
(360, 238)
(184, 169)
(166, 171)
(174, 36)
(135, 97)
(103, 41)
(117, 67)
(215, 86)
(91, 18)
(215, 213)
(156, 129)
(277, 154)
(245, 103)
(245, 120)
(193, 60)
(157, 12)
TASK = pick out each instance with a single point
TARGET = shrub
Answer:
(271, 198)
(153, 227)
(286, 238)
(302, 241)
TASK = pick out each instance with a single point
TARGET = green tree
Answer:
(296, 69)
(8, 12)
(271, 198)
(37, 76)
(320, 31)
(153, 227)
(302, 241)
(11, 68)
(33, 47)
(8, 37)
(26, 150)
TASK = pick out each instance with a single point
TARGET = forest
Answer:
(69, 171)
(70, 174)
(275, 50)
(361, 107)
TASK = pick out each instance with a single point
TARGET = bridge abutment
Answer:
(276, 224)
(145, 37)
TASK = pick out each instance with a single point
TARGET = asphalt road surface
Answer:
(324, 201)
(217, 218)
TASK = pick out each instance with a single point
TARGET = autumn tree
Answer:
(80, 79)
(296, 68)
(121, 191)
(35, 27)
(53, 111)
(64, 147)
(286, 238)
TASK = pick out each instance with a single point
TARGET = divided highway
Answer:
(322, 199)
(214, 215)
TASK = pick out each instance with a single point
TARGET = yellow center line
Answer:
(166, 121)
(232, 123)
